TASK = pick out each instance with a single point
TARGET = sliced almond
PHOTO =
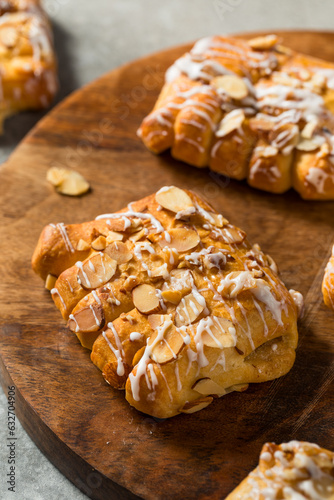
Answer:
(50, 281)
(130, 283)
(173, 296)
(137, 357)
(188, 310)
(83, 246)
(267, 151)
(145, 299)
(68, 182)
(219, 333)
(56, 175)
(182, 239)
(99, 243)
(233, 85)
(156, 320)
(206, 386)
(168, 348)
(9, 36)
(307, 145)
(180, 280)
(263, 42)
(110, 374)
(230, 234)
(96, 271)
(238, 388)
(88, 319)
(138, 235)
(119, 252)
(309, 129)
(232, 121)
(197, 405)
(114, 236)
(174, 199)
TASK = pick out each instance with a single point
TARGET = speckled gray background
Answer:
(91, 38)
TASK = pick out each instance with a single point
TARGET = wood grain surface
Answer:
(87, 429)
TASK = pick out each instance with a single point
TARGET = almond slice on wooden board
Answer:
(174, 199)
(88, 319)
(119, 251)
(232, 121)
(68, 182)
(233, 85)
(189, 309)
(145, 299)
(197, 405)
(180, 238)
(96, 271)
(206, 386)
(221, 333)
(263, 42)
(50, 281)
(168, 348)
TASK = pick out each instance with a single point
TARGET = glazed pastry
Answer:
(249, 110)
(328, 282)
(289, 471)
(27, 60)
(177, 307)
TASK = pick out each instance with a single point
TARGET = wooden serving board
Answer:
(87, 429)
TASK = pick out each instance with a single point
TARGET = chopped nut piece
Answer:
(56, 175)
(119, 252)
(88, 319)
(50, 281)
(233, 85)
(8, 36)
(309, 129)
(96, 271)
(145, 299)
(263, 42)
(138, 235)
(197, 405)
(182, 239)
(232, 121)
(189, 309)
(221, 333)
(168, 348)
(83, 246)
(130, 283)
(114, 236)
(99, 243)
(174, 199)
(267, 152)
(206, 386)
(173, 296)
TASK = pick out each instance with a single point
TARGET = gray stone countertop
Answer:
(91, 38)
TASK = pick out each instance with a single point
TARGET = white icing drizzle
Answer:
(117, 352)
(263, 293)
(135, 336)
(96, 297)
(94, 314)
(318, 177)
(62, 230)
(54, 291)
(155, 223)
(72, 317)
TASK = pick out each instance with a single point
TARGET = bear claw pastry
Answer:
(27, 59)
(177, 307)
(249, 110)
(328, 282)
(295, 470)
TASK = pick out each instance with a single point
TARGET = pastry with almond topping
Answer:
(328, 282)
(250, 110)
(176, 305)
(296, 470)
(27, 59)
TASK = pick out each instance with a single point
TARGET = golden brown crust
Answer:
(27, 59)
(175, 304)
(252, 110)
(290, 470)
(328, 283)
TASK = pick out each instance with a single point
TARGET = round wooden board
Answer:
(87, 429)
